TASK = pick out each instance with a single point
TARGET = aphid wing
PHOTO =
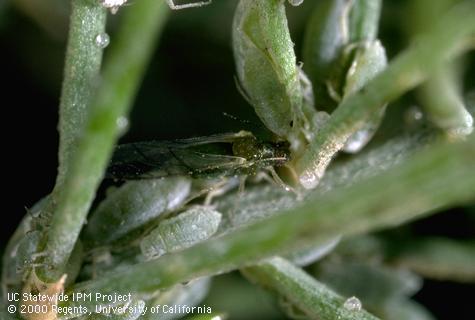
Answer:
(207, 163)
(155, 159)
(145, 160)
(216, 138)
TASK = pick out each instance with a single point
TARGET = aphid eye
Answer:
(291, 123)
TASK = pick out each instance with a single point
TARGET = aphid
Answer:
(267, 70)
(180, 232)
(22, 252)
(132, 206)
(221, 155)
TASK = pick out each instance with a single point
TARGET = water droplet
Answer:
(352, 304)
(358, 140)
(309, 179)
(122, 124)
(413, 115)
(102, 40)
(295, 3)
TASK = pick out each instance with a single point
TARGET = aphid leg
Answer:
(216, 190)
(333, 92)
(242, 185)
(94, 268)
(263, 176)
(279, 181)
(37, 265)
(20, 270)
(174, 6)
(37, 255)
(293, 173)
(208, 192)
(27, 270)
(100, 256)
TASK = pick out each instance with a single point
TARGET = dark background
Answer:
(191, 78)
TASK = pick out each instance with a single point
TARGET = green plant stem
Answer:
(442, 100)
(441, 96)
(311, 297)
(438, 258)
(127, 60)
(407, 71)
(364, 20)
(435, 178)
(81, 76)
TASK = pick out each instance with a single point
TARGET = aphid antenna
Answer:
(256, 162)
(230, 116)
(174, 6)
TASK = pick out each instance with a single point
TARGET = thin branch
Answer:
(129, 56)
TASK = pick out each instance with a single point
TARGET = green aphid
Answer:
(267, 69)
(127, 209)
(180, 232)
